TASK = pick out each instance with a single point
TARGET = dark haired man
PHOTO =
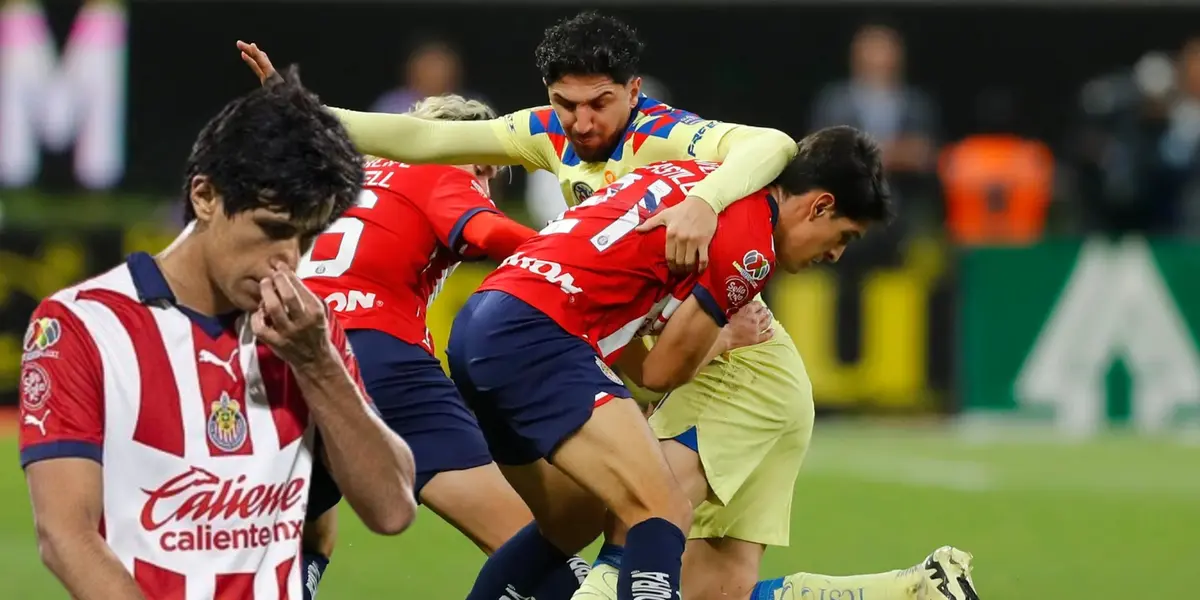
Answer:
(531, 349)
(178, 406)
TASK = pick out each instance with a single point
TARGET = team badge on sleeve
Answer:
(736, 290)
(227, 426)
(41, 335)
(582, 191)
(754, 266)
(35, 386)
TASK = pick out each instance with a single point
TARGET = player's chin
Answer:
(247, 295)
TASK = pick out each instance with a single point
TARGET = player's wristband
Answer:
(314, 570)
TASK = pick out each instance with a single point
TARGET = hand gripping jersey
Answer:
(605, 283)
(382, 265)
(206, 444)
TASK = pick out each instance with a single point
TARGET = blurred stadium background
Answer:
(1012, 368)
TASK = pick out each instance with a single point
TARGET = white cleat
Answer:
(947, 576)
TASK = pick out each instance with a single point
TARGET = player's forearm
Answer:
(719, 347)
(86, 566)
(495, 235)
(752, 157)
(372, 466)
(409, 139)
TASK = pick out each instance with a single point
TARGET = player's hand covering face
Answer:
(258, 62)
(690, 225)
(291, 319)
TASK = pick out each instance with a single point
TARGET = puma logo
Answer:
(36, 422)
(207, 357)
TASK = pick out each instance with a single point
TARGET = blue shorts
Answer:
(417, 401)
(530, 383)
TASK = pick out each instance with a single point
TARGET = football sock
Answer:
(652, 562)
(314, 569)
(563, 581)
(893, 585)
(518, 567)
(601, 582)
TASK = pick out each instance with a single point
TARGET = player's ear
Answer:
(821, 206)
(635, 91)
(204, 198)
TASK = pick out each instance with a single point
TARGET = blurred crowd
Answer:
(1129, 164)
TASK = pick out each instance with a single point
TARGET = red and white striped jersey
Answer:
(604, 282)
(204, 437)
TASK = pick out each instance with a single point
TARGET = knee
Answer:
(670, 504)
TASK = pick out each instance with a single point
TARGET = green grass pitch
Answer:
(1114, 518)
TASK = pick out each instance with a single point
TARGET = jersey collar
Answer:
(774, 204)
(152, 288)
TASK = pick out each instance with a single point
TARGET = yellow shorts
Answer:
(753, 414)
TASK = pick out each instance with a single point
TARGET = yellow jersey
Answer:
(751, 157)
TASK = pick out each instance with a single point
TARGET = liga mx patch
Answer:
(608, 372)
(754, 266)
(41, 335)
(227, 425)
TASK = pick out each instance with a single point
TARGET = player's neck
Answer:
(183, 266)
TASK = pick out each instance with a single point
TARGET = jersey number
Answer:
(623, 224)
(350, 230)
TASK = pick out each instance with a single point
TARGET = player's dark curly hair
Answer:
(589, 44)
(277, 147)
(846, 163)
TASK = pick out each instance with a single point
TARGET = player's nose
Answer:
(835, 254)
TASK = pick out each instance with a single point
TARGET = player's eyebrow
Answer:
(564, 100)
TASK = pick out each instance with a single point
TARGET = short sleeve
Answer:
(61, 388)
(741, 260)
(454, 199)
(533, 136)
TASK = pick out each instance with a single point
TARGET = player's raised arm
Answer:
(502, 141)
(62, 406)
(750, 157)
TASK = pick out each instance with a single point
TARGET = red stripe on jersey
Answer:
(159, 583)
(160, 419)
(223, 389)
(283, 572)
(288, 409)
(235, 586)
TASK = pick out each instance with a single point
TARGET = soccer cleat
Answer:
(947, 576)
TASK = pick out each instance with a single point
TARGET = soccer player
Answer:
(379, 268)
(530, 350)
(175, 408)
(755, 404)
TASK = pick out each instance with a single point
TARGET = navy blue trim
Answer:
(774, 204)
(690, 439)
(709, 304)
(148, 279)
(62, 449)
(455, 238)
(152, 287)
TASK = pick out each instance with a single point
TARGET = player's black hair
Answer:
(846, 163)
(277, 147)
(589, 44)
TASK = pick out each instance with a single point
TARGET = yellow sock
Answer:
(892, 585)
(600, 583)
